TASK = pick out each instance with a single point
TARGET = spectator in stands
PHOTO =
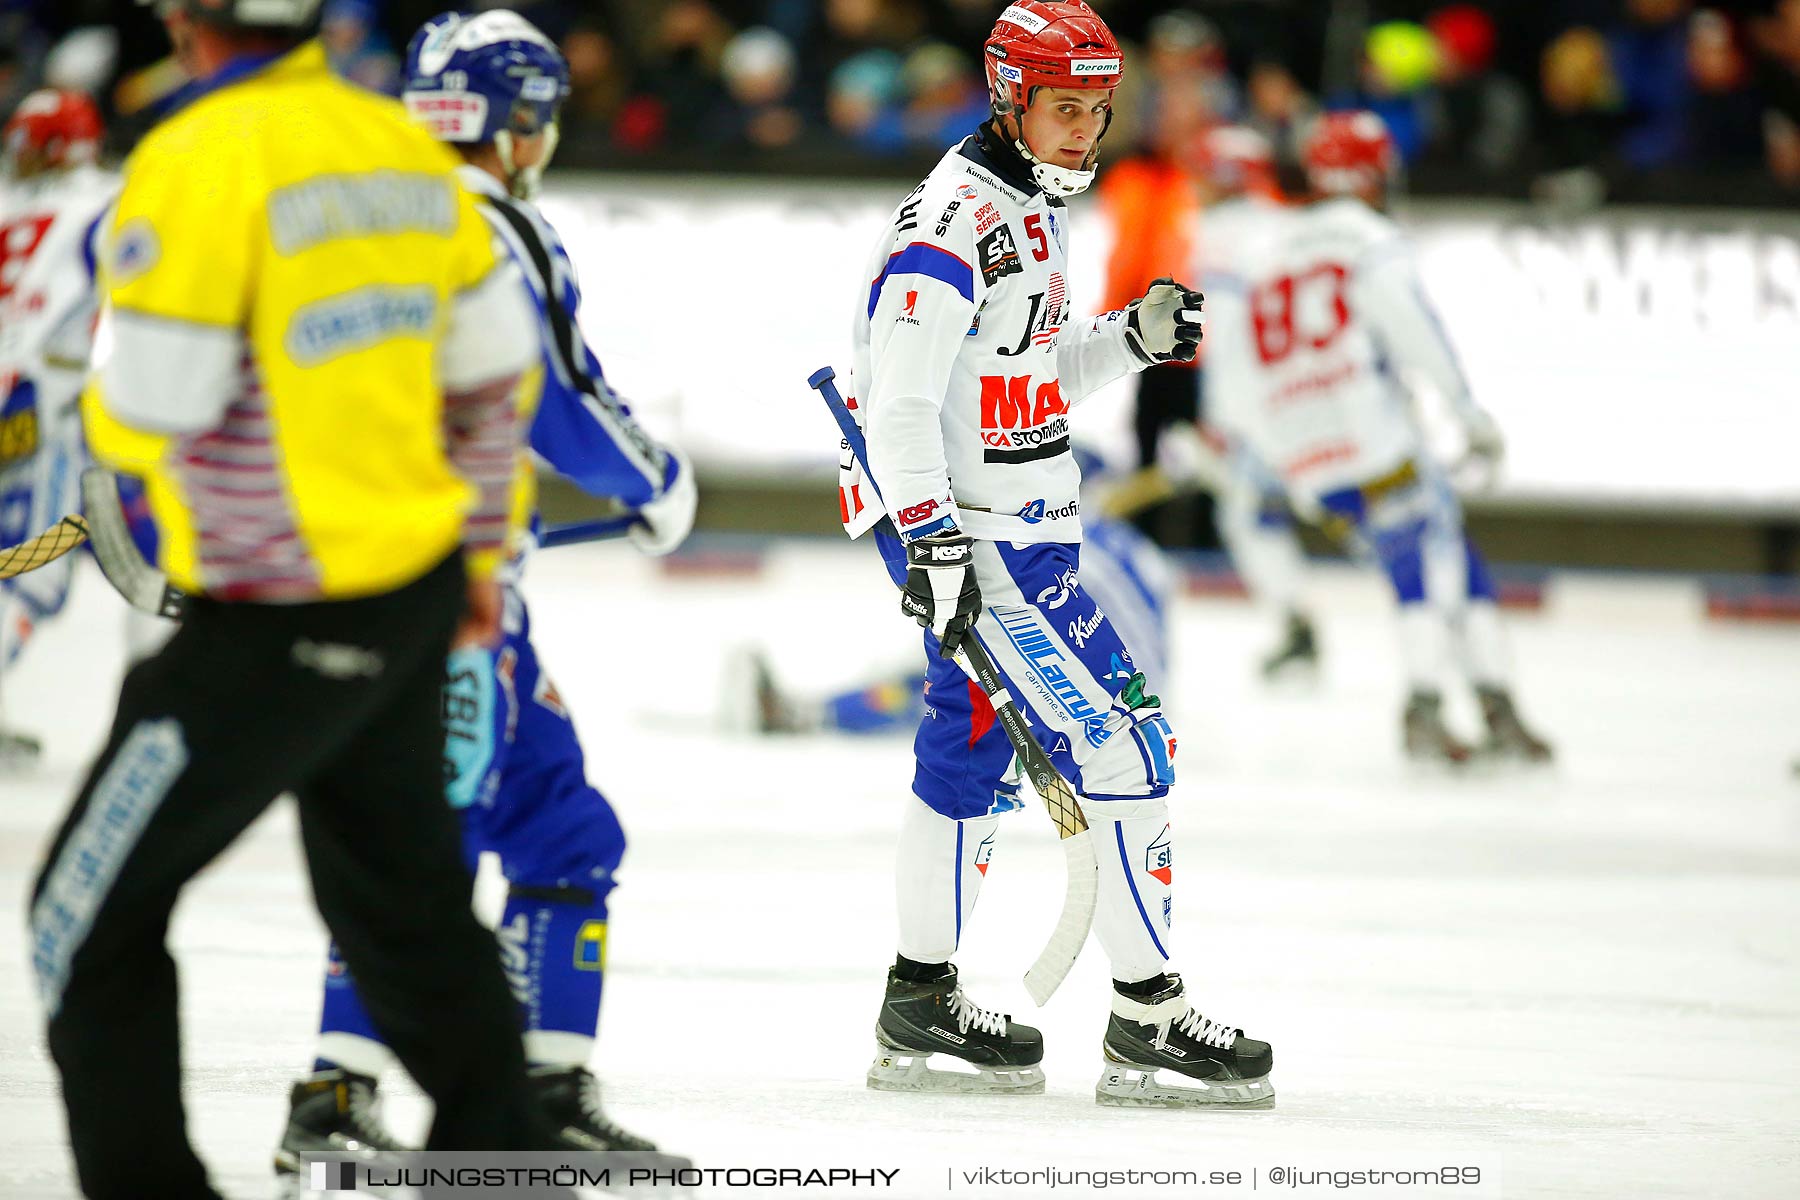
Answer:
(759, 110)
(1649, 52)
(1278, 108)
(356, 48)
(684, 52)
(1777, 38)
(1724, 127)
(601, 111)
(861, 97)
(945, 100)
(1400, 61)
(1582, 107)
(1184, 51)
(1483, 115)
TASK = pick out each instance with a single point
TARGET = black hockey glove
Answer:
(941, 593)
(1165, 323)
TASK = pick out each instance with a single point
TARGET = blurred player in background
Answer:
(51, 196)
(491, 85)
(1233, 168)
(1130, 580)
(1319, 330)
(967, 363)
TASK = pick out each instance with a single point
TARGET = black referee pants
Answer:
(338, 703)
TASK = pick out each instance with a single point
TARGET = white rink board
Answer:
(1639, 360)
(1592, 974)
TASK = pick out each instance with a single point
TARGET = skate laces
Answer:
(1213, 1033)
(968, 1013)
(363, 1109)
(589, 1098)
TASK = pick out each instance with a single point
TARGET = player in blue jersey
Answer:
(491, 85)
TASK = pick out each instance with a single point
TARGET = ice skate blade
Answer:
(1128, 1085)
(904, 1071)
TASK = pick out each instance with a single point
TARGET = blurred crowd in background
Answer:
(1577, 100)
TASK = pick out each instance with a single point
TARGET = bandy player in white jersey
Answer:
(1319, 328)
(51, 193)
(966, 368)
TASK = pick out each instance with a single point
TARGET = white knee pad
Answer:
(938, 876)
(1138, 760)
(1136, 909)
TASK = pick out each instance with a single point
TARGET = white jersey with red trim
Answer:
(46, 272)
(1316, 325)
(47, 305)
(966, 364)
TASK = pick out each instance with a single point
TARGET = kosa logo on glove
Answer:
(918, 512)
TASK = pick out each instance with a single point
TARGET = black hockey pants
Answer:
(338, 703)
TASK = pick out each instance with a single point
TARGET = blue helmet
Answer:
(486, 77)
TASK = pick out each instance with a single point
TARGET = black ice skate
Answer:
(1507, 735)
(1226, 1069)
(919, 1019)
(569, 1097)
(1297, 653)
(332, 1112)
(753, 703)
(1426, 737)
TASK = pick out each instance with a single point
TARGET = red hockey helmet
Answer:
(51, 129)
(1349, 152)
(1234, 159)
(1039, 44)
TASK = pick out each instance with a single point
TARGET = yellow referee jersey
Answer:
(281, 279)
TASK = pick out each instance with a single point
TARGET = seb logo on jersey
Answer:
(1019, 423)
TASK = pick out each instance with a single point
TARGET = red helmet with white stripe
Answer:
(1349, 153)
(1044, 44)
(51, 129)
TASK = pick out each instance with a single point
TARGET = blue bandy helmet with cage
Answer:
(487, 77)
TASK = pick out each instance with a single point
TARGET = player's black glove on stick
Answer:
(1165, 323)
(941, 593)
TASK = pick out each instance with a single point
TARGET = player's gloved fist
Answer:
(1165, 324)
(664, 523)
(941, 593)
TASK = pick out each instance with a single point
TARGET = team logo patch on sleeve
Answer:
(135, 250)
(999, 256)
(590, 946)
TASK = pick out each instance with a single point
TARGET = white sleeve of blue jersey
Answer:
(1092, 354)
(582, 428)
(1388, 295)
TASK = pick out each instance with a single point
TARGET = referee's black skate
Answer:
(332, 1112)
(920, 1018)
(1219, 1067)
(569, 1099)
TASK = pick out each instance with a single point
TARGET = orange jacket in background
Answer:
(1151, 205)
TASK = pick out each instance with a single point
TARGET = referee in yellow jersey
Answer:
(310, 352)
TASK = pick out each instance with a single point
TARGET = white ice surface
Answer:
(1590, 975)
